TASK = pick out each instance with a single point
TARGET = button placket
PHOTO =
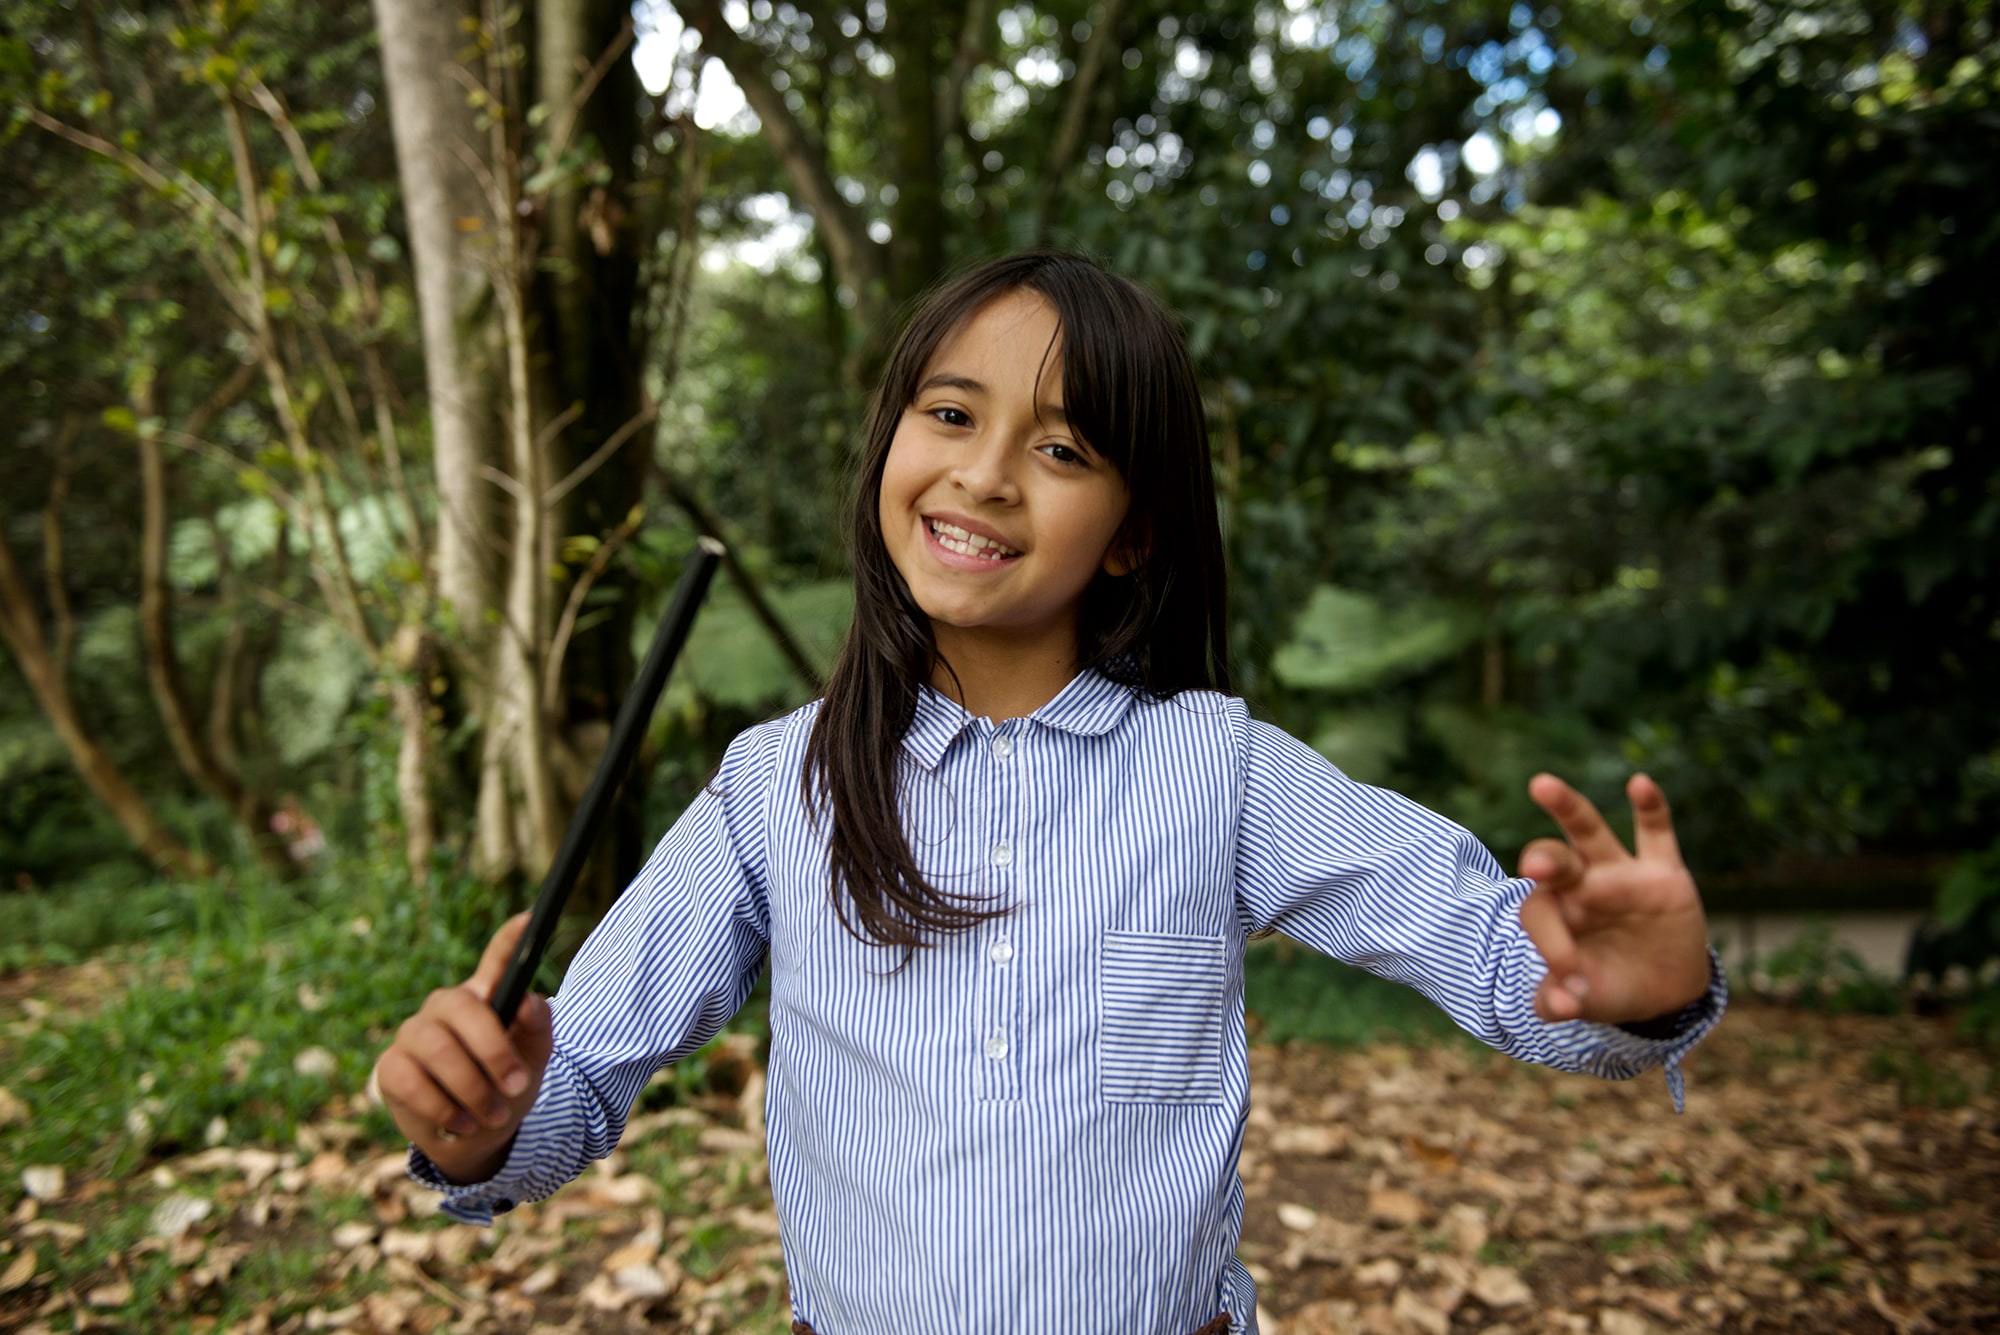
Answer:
(998, 1039)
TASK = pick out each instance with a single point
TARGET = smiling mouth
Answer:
(955, 539)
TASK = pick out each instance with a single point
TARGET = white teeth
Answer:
(955, 539)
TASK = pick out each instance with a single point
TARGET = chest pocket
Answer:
(1160, 1012)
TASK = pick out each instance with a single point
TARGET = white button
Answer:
(1003, 853)
(1003, 746)
(996, 1047)
(1001, 952)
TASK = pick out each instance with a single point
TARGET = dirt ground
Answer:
(1831, 1173)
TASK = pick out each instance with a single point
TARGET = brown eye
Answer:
(1064, 454)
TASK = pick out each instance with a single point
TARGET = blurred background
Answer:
(1594, 386)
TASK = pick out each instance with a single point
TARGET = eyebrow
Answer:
(947, 380)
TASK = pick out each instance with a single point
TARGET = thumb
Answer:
(532, 1032)
(493, 963)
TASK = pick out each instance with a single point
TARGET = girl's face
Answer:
(995, 511)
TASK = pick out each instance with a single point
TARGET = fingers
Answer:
(1580, 821)
(1561, 994)
(422, 1107)
(1652, 820)
(459, 1044)
(500, 950)
(453, 1066)
(1551, 863)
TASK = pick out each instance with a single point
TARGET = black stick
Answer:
(633, 716)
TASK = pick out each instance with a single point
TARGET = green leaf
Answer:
(122, 420)
(1972, 881)
(1348, 641)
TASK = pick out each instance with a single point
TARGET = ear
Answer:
(1129, 550)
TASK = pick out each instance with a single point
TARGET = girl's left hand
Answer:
(1623, 933)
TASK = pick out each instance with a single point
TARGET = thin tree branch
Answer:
(368, 305)
(336, 574)
(553, 428)
(966, 55)
(599, 561)
(216, 454)
(565, 126)
(203, 204)
(336, 383)
(225, 394)
(500, 479)
(706, 521)
(20, 627)
(802, 154)
(1097, 51)
(646, 414)
(54, 573)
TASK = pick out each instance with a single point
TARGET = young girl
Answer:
(1004, 871)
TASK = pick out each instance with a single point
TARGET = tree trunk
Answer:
(250, 807)
(592, 350)
(438, 144)
(918, 225)
(20, 627)
(457, 247)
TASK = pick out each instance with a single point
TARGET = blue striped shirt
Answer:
(1033, 1126)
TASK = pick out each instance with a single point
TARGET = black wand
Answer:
(630, 726)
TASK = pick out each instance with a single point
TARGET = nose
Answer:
(984, 470)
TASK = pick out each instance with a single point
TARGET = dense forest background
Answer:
(1596, 385)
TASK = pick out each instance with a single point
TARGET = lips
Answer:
(963, 541)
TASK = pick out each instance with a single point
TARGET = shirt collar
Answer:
(1089, 706)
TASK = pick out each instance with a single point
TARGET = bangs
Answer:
(1128, 388)
(1115, 389)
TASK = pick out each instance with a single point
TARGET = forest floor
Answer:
(1831, 1173)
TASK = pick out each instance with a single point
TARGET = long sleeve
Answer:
(1381, 883)
(664, 970)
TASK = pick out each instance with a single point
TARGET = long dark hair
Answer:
(1129, 389)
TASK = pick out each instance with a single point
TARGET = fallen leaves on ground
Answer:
(1831, 1174)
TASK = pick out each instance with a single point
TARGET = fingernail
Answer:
(463, 1124)
(496, 1112)
(1577, 986)
(515, 1082)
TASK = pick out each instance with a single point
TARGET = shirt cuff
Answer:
(474, 1202)
(1664, 1043)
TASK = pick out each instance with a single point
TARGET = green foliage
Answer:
(1971, 888)
(1591, 388)
(309, 691)
(1365, 743)
(1347, 641)
(1966, 939)
(1814, 969)
(1291, 992)
(730, 662)
(203, 1033)
(109, 904)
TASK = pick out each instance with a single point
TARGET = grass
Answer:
(242, 1018)
(188, 1027)
(1919, 1082)
(76, 922)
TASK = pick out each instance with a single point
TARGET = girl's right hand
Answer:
(458, 1084)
